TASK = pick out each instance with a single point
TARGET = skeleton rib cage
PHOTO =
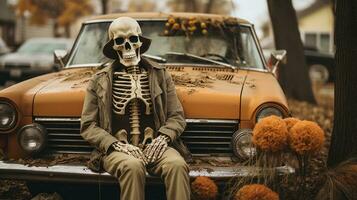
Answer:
(128, 87)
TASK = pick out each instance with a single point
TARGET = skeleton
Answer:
(130, 88)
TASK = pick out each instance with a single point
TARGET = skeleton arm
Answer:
(175, 122)
(90, 130)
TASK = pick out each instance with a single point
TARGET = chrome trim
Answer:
(86, 65)
(75, 119)
(51, 119)
(110, 20)
(82, 174)
(210, 121)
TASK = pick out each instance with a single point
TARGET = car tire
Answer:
(318, 73)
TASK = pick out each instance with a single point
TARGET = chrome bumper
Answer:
(81, 174)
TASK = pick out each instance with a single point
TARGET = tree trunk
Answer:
(344, 136)
(55, 29)
(104, 6)
(293, 77)
(67, 29)
(190, 6)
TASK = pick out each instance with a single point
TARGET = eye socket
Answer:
(119, 40)
(134, 38)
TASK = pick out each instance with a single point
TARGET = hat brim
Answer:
(109, 52)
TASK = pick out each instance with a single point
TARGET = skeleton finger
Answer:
(161, 152)
(158, 151)
(150, 149)
(157, 146)
(142, 157)
(135, 153)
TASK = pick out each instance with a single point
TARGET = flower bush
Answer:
(255, 192)
(290, 122)
(203, 188)
(306, 137)
(270, 134)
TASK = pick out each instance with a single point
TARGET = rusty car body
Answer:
(222, 100)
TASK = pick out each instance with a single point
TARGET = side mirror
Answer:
(59, 57)
(277, 57)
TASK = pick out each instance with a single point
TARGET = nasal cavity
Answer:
(127, 46)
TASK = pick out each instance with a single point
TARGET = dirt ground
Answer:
(321, 113)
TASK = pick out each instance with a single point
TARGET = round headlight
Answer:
(267, 111)
(242, 144)
(7, 116)
(32, 138)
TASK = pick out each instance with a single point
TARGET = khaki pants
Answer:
(171, 167)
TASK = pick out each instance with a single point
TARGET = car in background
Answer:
(321, 65)
(3, 47)
(33, 58)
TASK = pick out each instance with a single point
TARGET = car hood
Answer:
(261, 88)
(64, 95)
(26, 58)
(204, 93)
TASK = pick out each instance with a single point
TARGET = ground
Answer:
(321, 113)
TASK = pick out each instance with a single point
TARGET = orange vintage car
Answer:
(221, 79)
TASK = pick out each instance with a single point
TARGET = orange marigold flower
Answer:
(270, 134)
(255, 192)
(290, 122)
(203, 188)
(306, 137)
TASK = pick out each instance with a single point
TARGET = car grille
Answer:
(203, 137)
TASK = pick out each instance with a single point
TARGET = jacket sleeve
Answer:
(90, 129)
(175, 122)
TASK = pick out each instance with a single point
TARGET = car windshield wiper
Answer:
(157, 58)
(202, 58)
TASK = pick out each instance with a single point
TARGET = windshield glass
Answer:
(234, 46)
(40, 47)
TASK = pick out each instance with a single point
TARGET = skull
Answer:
(125, 32)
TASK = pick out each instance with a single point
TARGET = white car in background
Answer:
(33, 58)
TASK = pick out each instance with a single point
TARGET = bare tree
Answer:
(344, 136)
(104, 6)
(293, 77)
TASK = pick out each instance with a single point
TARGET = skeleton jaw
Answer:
(130, 58)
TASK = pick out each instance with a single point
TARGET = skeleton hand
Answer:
(156, 148)
(130, 150)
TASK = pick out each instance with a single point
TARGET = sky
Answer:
(256, 11)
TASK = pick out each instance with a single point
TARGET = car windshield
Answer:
(234, 46)
(40, 47)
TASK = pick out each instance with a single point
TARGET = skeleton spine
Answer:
(135, 122)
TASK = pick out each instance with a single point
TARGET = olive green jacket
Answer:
(97, 109)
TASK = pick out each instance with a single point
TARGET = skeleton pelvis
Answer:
(122, 136)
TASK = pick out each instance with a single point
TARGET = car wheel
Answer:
(318, 73)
